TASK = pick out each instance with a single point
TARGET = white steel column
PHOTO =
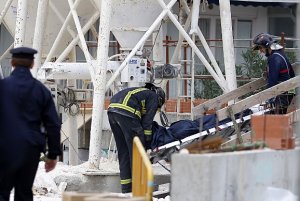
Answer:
(195, 16)
(40, 26)
(61, 32)
(140, 43)
(206, 47)
(187, 24)
(80, 32)
(75, 40)
(99, 84)
(158, 48)
(4, 11)
(228, 46)
(20, 23)
(73, 131)
(192, 44)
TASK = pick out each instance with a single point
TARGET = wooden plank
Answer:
(247, 138)
(220, 100)
(259, 97)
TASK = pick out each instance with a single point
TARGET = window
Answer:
(282, 20)
(244, 30)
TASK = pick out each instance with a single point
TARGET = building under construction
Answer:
(200, 53)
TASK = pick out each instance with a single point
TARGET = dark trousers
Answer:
(282, 103)
(19, 172)
(124, 129)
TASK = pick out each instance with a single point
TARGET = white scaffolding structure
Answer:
(56, 27)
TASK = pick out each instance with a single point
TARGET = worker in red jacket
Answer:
(131, 113)
(279, 69)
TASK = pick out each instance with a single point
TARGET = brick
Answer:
(171, 105)
(185, 106)
(275, 130)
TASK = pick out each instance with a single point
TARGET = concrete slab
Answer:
(234, 176)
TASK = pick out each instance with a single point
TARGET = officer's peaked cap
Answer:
(23, 52)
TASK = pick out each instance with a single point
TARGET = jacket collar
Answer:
(21, 70)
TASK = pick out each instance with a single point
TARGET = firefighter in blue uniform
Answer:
(26, 104)
(131, 113)
(279, 69)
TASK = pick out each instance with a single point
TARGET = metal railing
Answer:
(142, 172)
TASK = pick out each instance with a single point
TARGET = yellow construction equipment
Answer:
(142, 172)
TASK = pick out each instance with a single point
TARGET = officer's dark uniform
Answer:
(26, 104)
(131, 113)
(280, 70)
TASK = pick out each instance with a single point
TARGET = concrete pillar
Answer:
(228, 46)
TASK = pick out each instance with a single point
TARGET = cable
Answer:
(68, 102)
(156, 37)
(164, 119)
(164, 167)
(67, 138)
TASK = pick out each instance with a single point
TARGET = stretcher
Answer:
(165, 151)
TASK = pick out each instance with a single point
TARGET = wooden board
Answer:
(225, 98)
(259, 97)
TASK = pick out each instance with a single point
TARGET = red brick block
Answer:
(275, 130)
(185, 106)
(171, 105)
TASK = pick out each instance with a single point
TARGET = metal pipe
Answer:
(99, 84)
(195, 16)
(140, 43)
(228, 46)
(80, 33)
(39, 31)
(60, 33)
(192, 44)
(193, 78)
(206, 47)
(5, 9)
(21, 23)
(157, 38)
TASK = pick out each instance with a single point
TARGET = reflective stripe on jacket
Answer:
(136, 102)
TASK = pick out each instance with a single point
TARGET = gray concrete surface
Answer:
(235, 176)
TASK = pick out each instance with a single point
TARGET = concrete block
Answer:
(236, 176)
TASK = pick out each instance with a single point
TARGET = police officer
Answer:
(279, 69)
(131, 113)
(26, 105)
